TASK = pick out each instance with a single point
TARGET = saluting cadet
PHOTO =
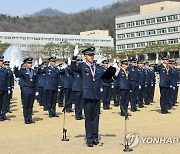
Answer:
(173, 84)
(41, 84)
(153, 83)
(165, 75)
(124, 87)
(60, 97)
(68, 81)
(77, 90)
(4, 89)
(177, 79)
(11, 78)
(91, 75)
(51, 86)
(134, 83)
(141, 86)
(29, 88)
(148, 79)
(106, 88)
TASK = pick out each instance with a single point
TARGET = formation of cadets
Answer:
(132, 83)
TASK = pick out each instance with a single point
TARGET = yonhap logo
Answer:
(132, 139)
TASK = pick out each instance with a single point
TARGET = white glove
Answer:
(112, 86)
(178, 84)
(37, 93)
(173, 88)
(59, 90)
(145, 85)
(115, 65)
(9, 91)
(139, 87)
(69, 61)
(152, 85)
(117, 72)
(76, 50)
(101, 90)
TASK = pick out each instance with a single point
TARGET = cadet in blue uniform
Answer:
(134, 83)
(51, 86)
(116, 93)
(124, 87)
(41, 84)
(60, 97)
(178, 81)
(21, 83)
(106, 88)
(11, 78)
(173, 84)
(153, 83)
(77, 91)
(68, 81)
(29, 88)
(4, 89)
(91, 75)
(165, 75)
(141, 86)
(148, 79)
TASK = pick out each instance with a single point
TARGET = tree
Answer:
(3, 47)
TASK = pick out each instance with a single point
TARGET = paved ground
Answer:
(45, 136)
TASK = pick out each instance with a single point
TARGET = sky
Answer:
(22, 7)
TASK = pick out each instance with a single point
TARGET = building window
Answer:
(161, 31)
(150, 21)
(121, 47)
(172, 29)
(130, 35)
(140, 22)
(161, 19)
(173, 41)
(141, 33)
(130, 24)
(120, 36)
(150, 43)
(173, 17)
(120, 26)
(130, 46)
(140, 45)
(162, 41)
(150, 32)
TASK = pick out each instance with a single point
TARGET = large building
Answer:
(36, 41)
(156, 23)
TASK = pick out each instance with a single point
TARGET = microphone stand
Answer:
(126, 140)
(64, 129)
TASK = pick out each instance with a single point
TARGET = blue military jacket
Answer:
(134, 76)
(165, 76)
(11, 77)
(91, 89)
(68, 78)
(41, 79)
(153, 77)
(148, 77)
(5, 82)
(61, 78)
(141, 76)
(123, 80)
(51, 78)
(174, 80)
(29, 77)
(77, 82)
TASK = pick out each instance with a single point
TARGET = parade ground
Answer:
(45, 135)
